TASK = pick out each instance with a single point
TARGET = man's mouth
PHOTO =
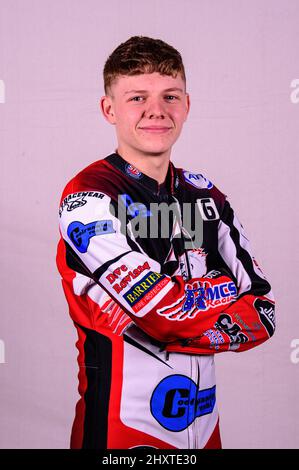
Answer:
(155, 129)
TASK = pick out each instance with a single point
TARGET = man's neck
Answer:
(155, 166)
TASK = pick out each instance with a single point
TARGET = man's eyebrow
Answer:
(145, 91)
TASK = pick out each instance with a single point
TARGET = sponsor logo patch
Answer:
(266, 311)
(80, 234)
(124, 277)
(226, 324)
(209, 295)
(198, 180)
(133, 172)
(73, 201)
(215, 338)
(199, 297)
(176, 402)
(144, 290)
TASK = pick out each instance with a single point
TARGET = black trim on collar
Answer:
(169, 186)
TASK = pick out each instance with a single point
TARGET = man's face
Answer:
(148, 111)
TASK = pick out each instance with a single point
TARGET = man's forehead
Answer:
(148, 82)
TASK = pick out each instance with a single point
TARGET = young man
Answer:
(152, 307)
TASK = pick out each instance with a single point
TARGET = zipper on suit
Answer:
(193, 428)
(182, 237)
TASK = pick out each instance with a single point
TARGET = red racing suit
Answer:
(154, 295)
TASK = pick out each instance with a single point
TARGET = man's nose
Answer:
(155, 108)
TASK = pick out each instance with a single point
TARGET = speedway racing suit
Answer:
(151, 311)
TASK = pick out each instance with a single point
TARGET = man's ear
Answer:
(188, 104)
(106, 105)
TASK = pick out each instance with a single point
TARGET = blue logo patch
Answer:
(203, 297)
(177, 401)
(198, 180)
(81, 234)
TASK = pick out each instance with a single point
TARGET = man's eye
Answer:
(135, 98)
(140, 98)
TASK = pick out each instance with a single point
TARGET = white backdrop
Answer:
(241, 58)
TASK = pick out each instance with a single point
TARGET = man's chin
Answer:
(155, 152)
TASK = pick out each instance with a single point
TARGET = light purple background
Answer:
(242, 132)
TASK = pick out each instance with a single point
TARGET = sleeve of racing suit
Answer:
(250, 319)
(166, 308)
